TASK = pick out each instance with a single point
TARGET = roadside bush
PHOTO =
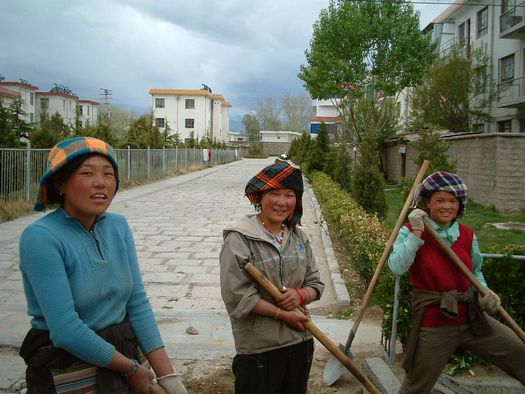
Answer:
(362, 234)
(506, 276)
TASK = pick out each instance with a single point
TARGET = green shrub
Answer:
(362, 234)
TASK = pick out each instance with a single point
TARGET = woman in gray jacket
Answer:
(274, 351)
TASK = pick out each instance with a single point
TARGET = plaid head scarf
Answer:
(443, 181)
(278, 176)
(64, 152)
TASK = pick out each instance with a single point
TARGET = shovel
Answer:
(472, 279)
(333, 368)
(265, 283)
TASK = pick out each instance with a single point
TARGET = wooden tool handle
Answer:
(472, 279)
(265, 283)
(373, 282)
(155, 388)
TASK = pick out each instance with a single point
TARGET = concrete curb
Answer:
(341, 292)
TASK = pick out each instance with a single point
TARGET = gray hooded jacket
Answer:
(292, 266)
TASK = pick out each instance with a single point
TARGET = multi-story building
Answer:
(62, 102)
(24, 91)
(499, 29)
(88, 111)
(184, 112)
(326, 112)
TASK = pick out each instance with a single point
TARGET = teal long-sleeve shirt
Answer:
(407, 244)
(77, 282)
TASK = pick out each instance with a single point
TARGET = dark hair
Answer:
(62, 175)
(426, 195)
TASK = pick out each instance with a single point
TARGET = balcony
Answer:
(512, 23)
(511, 94)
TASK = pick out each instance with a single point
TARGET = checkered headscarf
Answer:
(64, 152)
(443, 181)
(278, 176)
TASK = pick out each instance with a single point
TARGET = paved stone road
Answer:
(177, 225)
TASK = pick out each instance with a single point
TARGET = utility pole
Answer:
(105, 95)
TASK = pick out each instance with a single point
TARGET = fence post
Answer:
(149, 164)
(164, 166)
(128, 164)
(28, 170)
(176, 159)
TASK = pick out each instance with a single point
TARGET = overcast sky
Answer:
(243, 49)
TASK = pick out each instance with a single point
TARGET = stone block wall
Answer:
(492, 165)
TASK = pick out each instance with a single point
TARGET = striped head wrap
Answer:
(278, 176)
(63, 153)
(443, 181)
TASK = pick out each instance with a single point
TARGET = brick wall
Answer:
(492, 165)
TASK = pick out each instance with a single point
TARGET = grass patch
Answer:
(477, 216)
(14, 209)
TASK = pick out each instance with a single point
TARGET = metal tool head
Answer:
(334, 368)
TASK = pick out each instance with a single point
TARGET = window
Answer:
(159, 122)
(522, 125)
(189, 123)
(31, 117)
(507, 5)
(79, 110)
(505, 126)
(44, 103)
(483, 21)
(159, 103)
(480, 75)
(87, 110)
(31, 99)
(506, 68)
(190, 104)
(461, 33)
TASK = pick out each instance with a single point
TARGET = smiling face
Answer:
(443, 207)
(89, 190)
(276, 207)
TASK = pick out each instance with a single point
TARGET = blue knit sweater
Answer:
(77, 282)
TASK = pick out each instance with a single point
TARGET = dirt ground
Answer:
(215, 376)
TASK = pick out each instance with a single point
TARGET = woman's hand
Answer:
(289, 300)
(294, 319)
(139, 381)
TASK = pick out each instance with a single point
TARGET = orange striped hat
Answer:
(65, 151)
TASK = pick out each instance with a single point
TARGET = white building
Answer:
(187, 111)
(326, 112)
(500, 29)
(88, 111)
(63, 103)
(26, 94)
(8, 96)
(279, 136)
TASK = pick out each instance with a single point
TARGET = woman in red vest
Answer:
(447, 312)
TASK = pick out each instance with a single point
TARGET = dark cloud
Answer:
(243, 49)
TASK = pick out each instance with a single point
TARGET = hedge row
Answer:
(362, 234)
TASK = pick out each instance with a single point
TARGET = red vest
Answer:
(433, 270)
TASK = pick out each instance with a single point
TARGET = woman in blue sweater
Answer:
(90, 312)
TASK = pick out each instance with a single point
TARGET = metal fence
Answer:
(21, 169)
